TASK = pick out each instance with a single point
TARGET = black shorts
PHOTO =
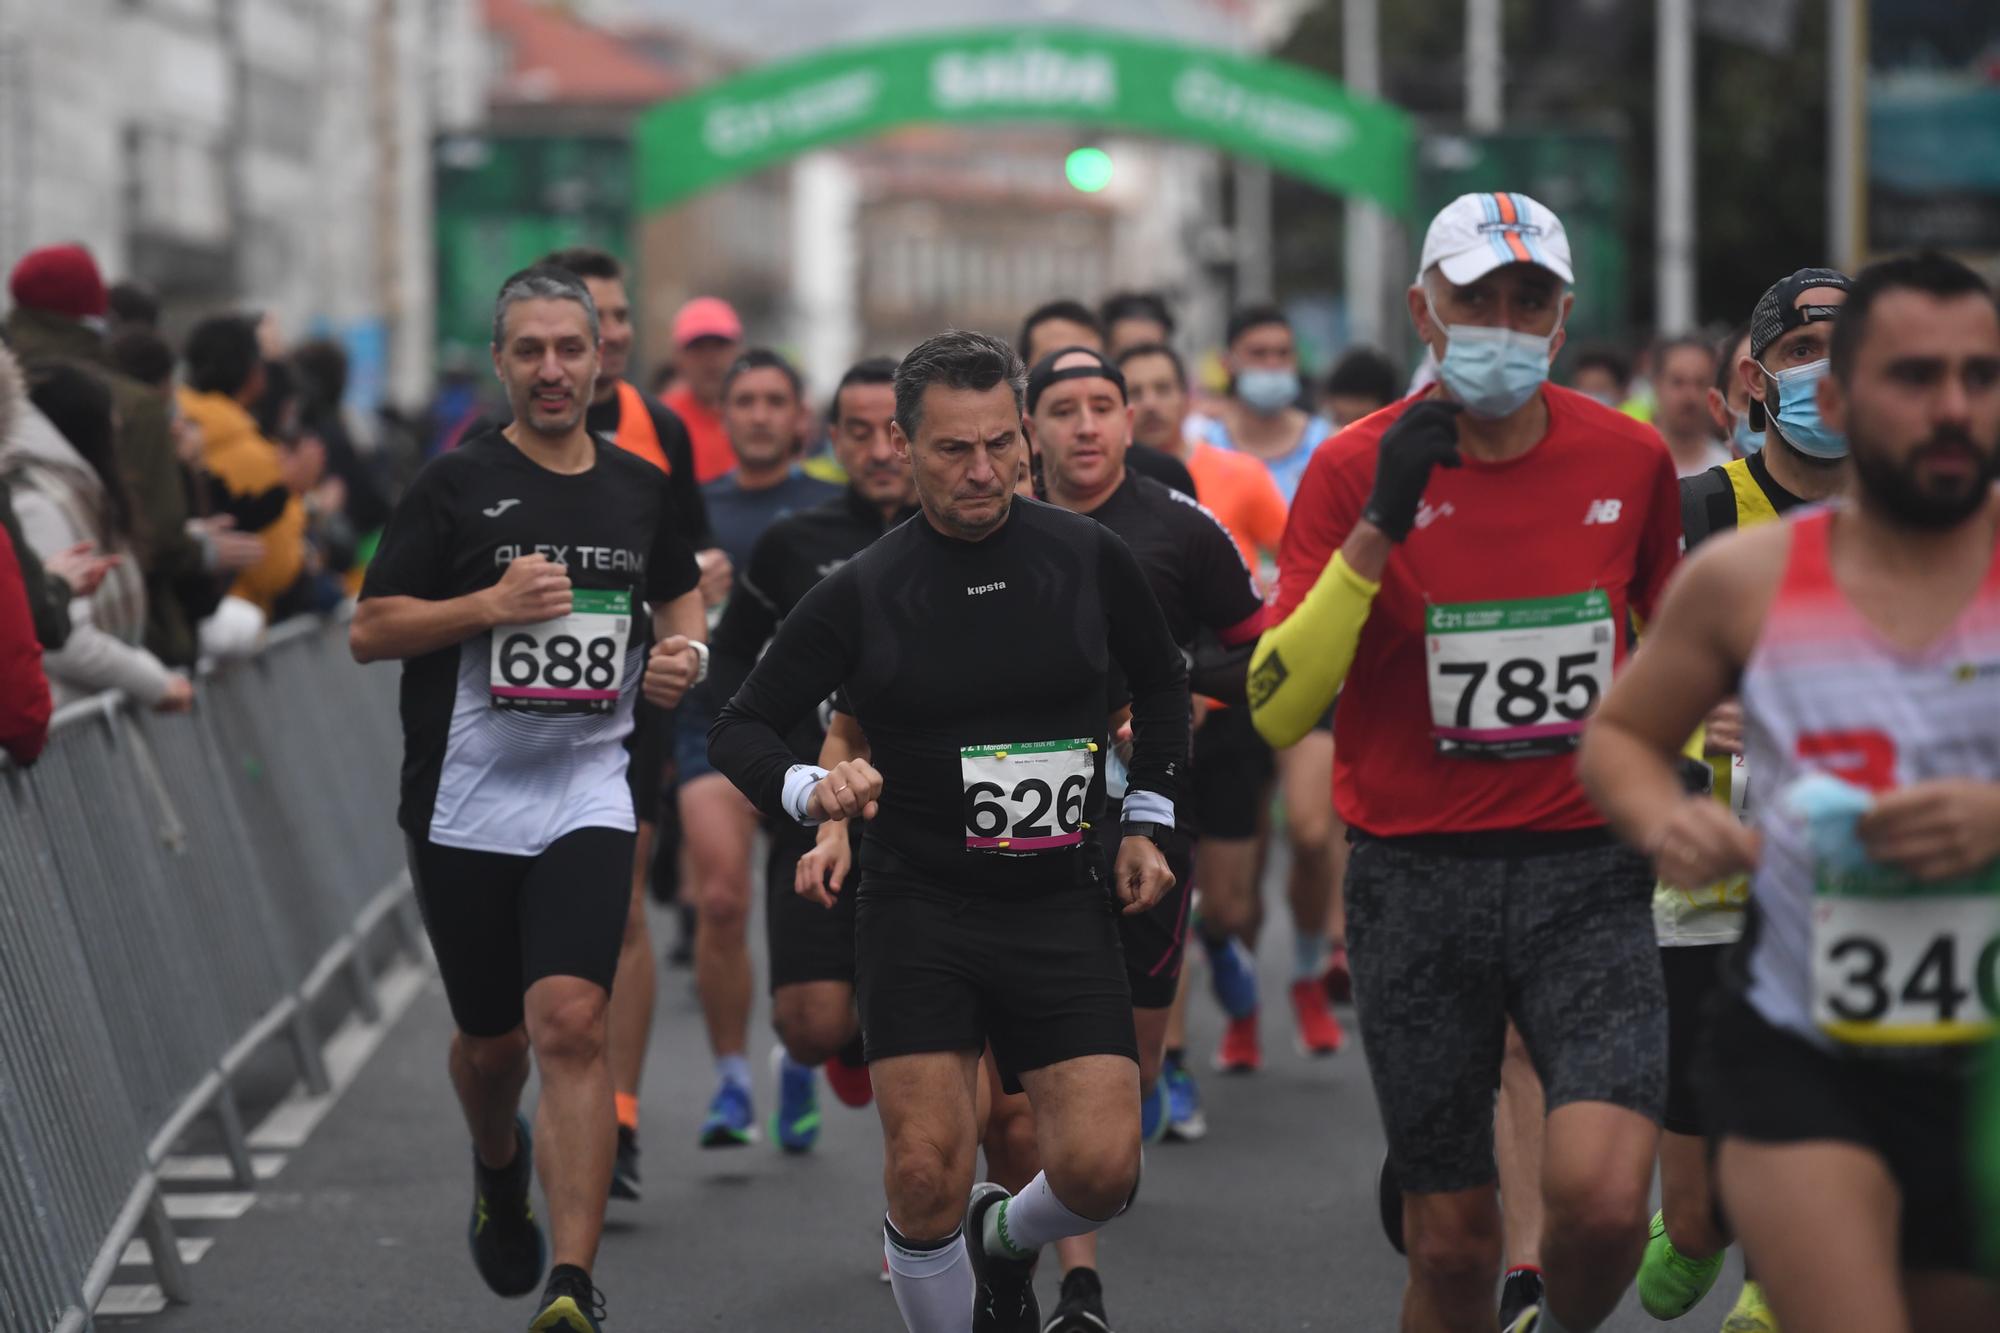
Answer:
(1450, 936)
(500, 923)
(1154, 941)
(807, 942)
(1041, 978)
(650, 746)
(1764, 1085)
(1232, 770)
(1693, 975)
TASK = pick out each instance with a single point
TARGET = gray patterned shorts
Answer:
(1446, 947)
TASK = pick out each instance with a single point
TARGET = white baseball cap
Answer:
(1477, 233)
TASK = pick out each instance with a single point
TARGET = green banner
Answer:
(1298, 121)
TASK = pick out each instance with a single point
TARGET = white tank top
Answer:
(1868, 959)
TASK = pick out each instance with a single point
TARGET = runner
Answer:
(976, 647)
(1134, 319)
(1482, 885)
(1683, 369)
(509, 580)
(811, 948)
(1684, 1254)
(761, 400)
(1230, 785)
(1863, 641)
(1729, 397)
(1067, 323)
(1079, 424)
(624, 415)
(707, 338)
(1362, 381)
(1261, 419)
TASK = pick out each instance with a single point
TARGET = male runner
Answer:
(1233, 769)
(1685, 1251)
(1262, 420)
(639, 426)
(1066, 323)
(1079, 423)
(1729, 397)
(1134, 319)
(1482, 886)
(1683, 369)
(976, 646)
(812, 947)
(509, 580)
(1864, 641)
(707, 335)
(761, 400)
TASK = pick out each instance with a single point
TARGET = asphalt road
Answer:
(1268, 1224)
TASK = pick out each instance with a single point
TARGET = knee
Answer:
(495, 1057)
(569, 1028)
(723, 906)
(812, 1033)
(1453, 1246)
(926, 1187)
(1010, 1133)
(1597, 1210)
(1095, 1180)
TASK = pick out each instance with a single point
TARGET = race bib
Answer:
(572, 664)
(1027, 797)
(1516, 680)
(1898, 963)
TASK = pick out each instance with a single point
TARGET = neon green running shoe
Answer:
(1670, 1283)
(1751, 1315)
(570, 1305)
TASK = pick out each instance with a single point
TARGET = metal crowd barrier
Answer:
(175, 892)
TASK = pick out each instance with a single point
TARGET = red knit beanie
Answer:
(61, 280)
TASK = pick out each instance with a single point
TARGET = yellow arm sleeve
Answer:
(1299, 664)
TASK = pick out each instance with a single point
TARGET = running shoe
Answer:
(1003, 1300)
(1319, 1030)
(1335, 978)
(1527, 1321)
(795, 1124)
(570, 1305)
(847, 1075)
(1389, 1199)
(506, 1240)
(1081, 1309)
(1242, 1050)
(1153, 1113)
(1670, 1284)
(732, 1121)
(1521, 1289)
(1185, 1121)
(1232, 975)
(625, 1170)
(1751, 1315)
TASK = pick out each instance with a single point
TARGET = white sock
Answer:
(932, 1282)
(1018, 1228)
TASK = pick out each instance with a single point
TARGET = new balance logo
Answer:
(500, 508)
(985, 587)
(1603, 511)
(1427, 515)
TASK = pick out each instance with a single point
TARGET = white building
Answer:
(270, 154)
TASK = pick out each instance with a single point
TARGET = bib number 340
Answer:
(1915, 971)
(1026, 797)
(572, 664)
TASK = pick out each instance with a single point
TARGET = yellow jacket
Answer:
(248, 466)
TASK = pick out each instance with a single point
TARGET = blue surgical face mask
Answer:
(1747, 441)
(1494, 372)
(1267, 392)
(1797, 416)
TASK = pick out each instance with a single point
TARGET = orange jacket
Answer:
(247, 464)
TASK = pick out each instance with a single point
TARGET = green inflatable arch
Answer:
(1297, 121)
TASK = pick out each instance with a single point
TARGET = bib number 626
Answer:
(991, 811)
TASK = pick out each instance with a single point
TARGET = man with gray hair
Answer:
(973, 645)
(513, 582)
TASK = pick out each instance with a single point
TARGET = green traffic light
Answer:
(1088, 169)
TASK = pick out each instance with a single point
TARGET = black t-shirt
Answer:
(1161, 466)
(1192, 564)
(792, 556)
(978, 671)
(516, 736)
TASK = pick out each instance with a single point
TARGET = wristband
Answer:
(701, 663)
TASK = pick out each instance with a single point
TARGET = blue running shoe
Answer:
(1185, 1121)
(732, 1121)
(1232, 976)
(1153, 1113)
(795, 1124)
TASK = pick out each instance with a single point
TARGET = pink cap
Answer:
(706, 317)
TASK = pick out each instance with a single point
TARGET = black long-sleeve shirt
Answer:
(978, 671)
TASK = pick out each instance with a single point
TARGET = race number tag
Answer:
(1516, 680)
(1027, 797)
(1900, 963)
(572, 664)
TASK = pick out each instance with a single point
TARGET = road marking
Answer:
(225, 1207)
(214, 1168)
(137, 1299)
(193, 1250)
(293, 1120)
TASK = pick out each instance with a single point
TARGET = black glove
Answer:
(1422, 438)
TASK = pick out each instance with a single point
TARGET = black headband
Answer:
(1045, 373)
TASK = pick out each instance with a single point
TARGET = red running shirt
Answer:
(1593, 507)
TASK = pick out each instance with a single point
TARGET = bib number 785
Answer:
(1525, 694)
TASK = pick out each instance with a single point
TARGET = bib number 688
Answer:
(562, 662)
